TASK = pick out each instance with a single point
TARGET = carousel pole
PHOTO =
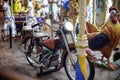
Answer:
(12, 6)
(81, 43)
(94, 12)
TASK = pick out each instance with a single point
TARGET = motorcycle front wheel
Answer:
(70, 69)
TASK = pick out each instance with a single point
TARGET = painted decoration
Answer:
(101, 8)
(17, 6)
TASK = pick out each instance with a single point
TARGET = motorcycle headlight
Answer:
(68, 26)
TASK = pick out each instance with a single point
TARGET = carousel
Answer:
(56, 34)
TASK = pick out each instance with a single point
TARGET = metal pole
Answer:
(94, 12)
(12, 6)
(82, 42)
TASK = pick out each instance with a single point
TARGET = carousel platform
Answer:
(12, 61)
(103, 72)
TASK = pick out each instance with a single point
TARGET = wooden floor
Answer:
(14, 60)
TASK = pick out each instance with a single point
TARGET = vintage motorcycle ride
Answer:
(54, 49)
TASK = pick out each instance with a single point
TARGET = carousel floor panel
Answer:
(13, 60)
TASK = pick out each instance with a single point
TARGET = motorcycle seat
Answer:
(40, 34)
(27, 28)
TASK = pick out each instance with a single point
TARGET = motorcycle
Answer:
(53, 49)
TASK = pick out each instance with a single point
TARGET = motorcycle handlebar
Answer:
(35, 25)
(43, 23)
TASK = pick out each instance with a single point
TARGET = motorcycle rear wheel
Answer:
(71, 71)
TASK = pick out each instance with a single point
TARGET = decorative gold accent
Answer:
(82, 42)
(87, 2)
(82, 37)
(81, 46)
